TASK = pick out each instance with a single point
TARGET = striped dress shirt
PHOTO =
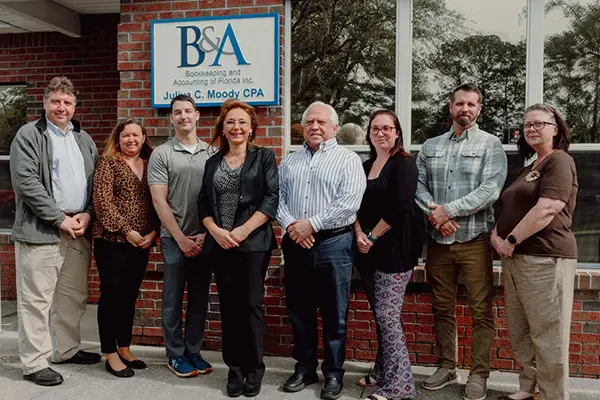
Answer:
(465, 174)
(325, 187)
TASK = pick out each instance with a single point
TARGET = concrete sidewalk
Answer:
(157, 382)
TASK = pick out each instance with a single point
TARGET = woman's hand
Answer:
(147, 240)
(239, 234)
(223, 238)
(362, 242)
(504, 248)
(134, 238)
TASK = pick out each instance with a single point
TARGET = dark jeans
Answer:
(121, 269)
(319, 278)
(180, 270)
(367, 281)
(240, 280)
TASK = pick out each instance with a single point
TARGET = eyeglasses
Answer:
(537, 125)
(230, 124)
(386, 129)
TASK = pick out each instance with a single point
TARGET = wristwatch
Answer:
(371, 238)
(512, 239)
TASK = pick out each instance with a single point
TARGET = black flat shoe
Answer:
(251, 389)
(82, 357)
(332, 389)
(298, 381)
(45, 377)
(124, 373)
(235, 389)
(135, 364)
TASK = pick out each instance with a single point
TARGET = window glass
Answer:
(343, 54)
(13, 114)
(458, 41)
(7, 197)
(572, 65)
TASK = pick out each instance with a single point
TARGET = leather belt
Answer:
(329, 233)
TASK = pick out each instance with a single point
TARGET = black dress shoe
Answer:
(135, 364)
(235, 389)
(124, 373)
(332, 389)
(299, 381)
(45, 377)
(251, 389)
(82, 357)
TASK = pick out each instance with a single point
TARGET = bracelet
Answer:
(371, 238)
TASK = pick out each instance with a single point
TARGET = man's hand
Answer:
(308, 242)
(438, 216)
(300, 230)
(449, 228)
(68, 225)
(134, 238)
(82, 221)
(504, 248)
(362, 242)
(199, 239)
(188, 247)
(147, 240)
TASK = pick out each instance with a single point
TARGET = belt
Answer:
(329, 233)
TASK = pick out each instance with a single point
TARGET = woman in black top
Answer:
(385, 240)
(238, 199)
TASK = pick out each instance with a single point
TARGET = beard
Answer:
(463, 119)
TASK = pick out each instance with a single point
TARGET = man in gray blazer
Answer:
(52, 167)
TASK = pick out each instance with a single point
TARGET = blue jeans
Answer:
(319, 278)
(180, 270)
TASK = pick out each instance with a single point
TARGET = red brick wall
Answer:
(133, 83)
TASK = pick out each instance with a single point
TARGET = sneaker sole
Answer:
(182, 375)
(204, 371)
(443, 385)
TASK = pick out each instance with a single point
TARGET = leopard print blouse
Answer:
(121, 201)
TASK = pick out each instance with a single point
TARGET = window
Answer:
(13, 114)
(460, 41)
(342, 53)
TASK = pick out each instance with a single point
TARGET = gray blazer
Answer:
(37, 216)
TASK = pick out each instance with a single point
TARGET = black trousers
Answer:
(240, 280)
(121, 269)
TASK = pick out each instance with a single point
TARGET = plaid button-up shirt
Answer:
(465, 174)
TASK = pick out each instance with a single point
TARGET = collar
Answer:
(56, 130)
(467, 133)
(325, 146)
(177, 146)
(42, 124)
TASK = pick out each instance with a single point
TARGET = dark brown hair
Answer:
(183, 97)
(467, 87)
(225, 108)
(398, 145)
(112, 148)
(562, 139)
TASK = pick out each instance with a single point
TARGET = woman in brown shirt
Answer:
(539, 255)
(124, 229)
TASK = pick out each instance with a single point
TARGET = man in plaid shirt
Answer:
(461, 174)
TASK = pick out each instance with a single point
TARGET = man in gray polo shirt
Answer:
(175, 174)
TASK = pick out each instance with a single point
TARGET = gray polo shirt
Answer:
(172, 165)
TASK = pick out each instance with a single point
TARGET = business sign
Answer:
(214, 59)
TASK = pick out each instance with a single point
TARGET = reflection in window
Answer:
(7, 197)
(343, 53)
(13, 114)
(572, 65)
(458, 41)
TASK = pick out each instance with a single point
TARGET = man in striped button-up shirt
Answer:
(321, 187)
(461, 174)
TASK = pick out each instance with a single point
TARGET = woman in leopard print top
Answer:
(124, 229)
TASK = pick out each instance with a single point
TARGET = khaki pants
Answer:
(539, 301)
(51, 299)
(473, 260)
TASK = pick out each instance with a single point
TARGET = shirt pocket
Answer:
(436, 162)
(471, 162)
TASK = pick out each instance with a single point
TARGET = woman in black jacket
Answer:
(386, 241)
(238, 199)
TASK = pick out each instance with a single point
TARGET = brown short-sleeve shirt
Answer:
(556, 178)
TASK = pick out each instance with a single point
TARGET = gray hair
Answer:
(332, 114)
(60, 84)
(351, 134)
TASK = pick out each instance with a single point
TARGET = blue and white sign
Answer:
(214, 59)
